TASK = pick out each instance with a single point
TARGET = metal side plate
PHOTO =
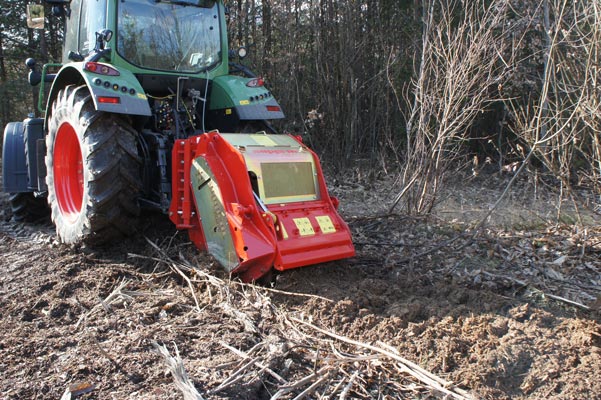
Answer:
(209, 204)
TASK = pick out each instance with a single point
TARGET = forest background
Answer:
(416, 88)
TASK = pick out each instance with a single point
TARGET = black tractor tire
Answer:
(28, 208)
(93, 170)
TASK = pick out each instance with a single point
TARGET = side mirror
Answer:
(34, 76)
(106, 35)
(102, 37)
(100, 50)
(35, 16)
(241, 53)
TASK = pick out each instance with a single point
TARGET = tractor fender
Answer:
(120, 94)
(14, 166)
(231, 96)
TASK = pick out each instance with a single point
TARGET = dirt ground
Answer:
(510, 313)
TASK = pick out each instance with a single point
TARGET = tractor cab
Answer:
(178, 36)
(168, 36)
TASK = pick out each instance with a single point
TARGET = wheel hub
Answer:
(68, 172)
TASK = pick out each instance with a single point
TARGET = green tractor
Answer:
(147, 111)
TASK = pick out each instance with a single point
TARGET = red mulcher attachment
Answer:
(256, 201)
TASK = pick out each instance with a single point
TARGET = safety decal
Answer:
(244, 102)
(325, 224)
(142, 96)
(228, 111)
(304, 226)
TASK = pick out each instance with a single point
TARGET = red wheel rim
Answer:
(68, 172)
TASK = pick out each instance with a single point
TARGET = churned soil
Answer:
(510, 312)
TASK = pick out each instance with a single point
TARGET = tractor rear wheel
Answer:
(93, 170)
(28, 208)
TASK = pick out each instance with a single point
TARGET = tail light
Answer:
(108, 100)
(101, 69)
(256, 82)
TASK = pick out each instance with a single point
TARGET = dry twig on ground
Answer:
(175, 365)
